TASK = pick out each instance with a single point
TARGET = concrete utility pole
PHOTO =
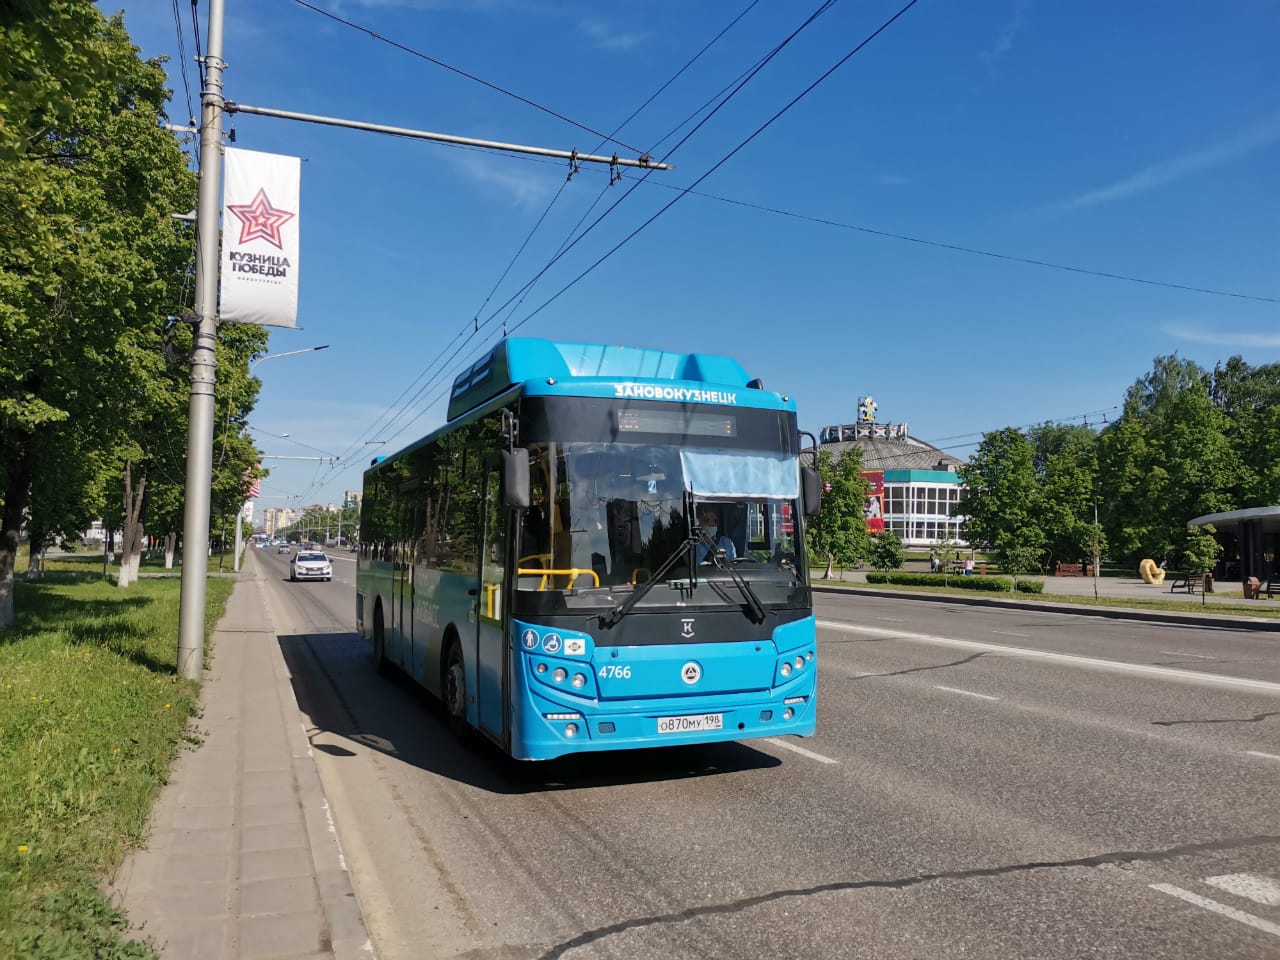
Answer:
(195, 525)
(195, 537)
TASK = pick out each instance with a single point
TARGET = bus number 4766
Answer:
(615, 671)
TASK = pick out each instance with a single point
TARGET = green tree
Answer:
(1065, 467)
(1201, 552)
(91, 260)
(839, 532)
(1249, 397)
(1019, 554)
(1002, 497)
(886, 551)
(1167, 460)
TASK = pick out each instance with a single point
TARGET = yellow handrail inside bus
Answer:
(573, 573)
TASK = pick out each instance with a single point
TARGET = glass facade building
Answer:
(921, 485)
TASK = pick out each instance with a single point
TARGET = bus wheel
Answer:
(455, 691)
(380, 643)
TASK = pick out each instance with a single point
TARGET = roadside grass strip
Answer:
(1264, 610)
(92, 712)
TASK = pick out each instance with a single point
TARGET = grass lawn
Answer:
(92, 712)
(1264, 608)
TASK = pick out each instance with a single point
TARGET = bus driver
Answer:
(709, 520)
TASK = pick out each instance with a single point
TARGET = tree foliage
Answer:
(1001, 495)
(92, 268)
(1168, 459)
(886, 551)
(839, 532)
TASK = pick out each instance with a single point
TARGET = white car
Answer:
(310, 565)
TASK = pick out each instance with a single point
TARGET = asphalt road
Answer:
(984, 783)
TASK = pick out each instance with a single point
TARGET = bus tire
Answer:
(380, 643)
(453, 687)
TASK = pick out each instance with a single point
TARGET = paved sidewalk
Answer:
(243, 860)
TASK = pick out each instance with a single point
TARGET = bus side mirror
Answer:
(515, 478)
(811, 487)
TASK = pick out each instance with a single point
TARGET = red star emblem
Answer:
(260, 220)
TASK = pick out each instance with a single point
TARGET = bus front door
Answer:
(399, 642)
(491, 649)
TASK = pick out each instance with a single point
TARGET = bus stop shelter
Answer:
(1256, 531)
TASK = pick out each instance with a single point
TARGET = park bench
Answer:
(1070, 569)
(1190, 583)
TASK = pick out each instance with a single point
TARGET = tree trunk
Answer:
(170, 545)
(17, 497)
(831, 560)
(8, 553)
(131, 548)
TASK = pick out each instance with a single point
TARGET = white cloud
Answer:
(1175, 169)
(526, 184)
(1008, 33)
(1224, 338)
(607, 38)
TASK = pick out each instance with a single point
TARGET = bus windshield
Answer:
(605, 517)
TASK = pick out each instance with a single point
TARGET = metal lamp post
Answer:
(239, 546)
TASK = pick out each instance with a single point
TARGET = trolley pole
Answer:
(195, 528)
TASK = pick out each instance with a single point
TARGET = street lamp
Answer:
(287, 353)
(239, 543)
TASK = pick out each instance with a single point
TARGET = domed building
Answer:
(914, 485)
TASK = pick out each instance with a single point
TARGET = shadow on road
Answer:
(339, 690)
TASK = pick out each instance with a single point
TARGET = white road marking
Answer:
(1005, 633)
(1092, 663)
(893, 619)
(1259, 753)
(1262, 890)
(967, 693)
(800, 750)
(1179, 653)
(1246, 918)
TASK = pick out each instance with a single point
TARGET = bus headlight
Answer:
(571, 730)
(799, 663)
(785, 669)
(559, 674)
(579, 681)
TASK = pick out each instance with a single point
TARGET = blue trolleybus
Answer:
(603, 548)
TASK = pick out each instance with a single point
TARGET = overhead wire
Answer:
(760, 64)
(442, 360)
(462, 73)
(195, 25)
(723, 160)
(974, 250)
(182, 59)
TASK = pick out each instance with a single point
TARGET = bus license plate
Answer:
(692, 723)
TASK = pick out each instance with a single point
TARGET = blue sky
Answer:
(1137, 138)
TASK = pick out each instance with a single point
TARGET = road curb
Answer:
(1113, 613)
(347, 933)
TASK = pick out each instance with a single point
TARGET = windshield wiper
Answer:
(716, 556)
(641, 590)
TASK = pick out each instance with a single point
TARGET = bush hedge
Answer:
(989, 584)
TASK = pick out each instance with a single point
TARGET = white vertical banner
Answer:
(259, 276)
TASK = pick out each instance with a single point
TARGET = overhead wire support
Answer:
(573, 156)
